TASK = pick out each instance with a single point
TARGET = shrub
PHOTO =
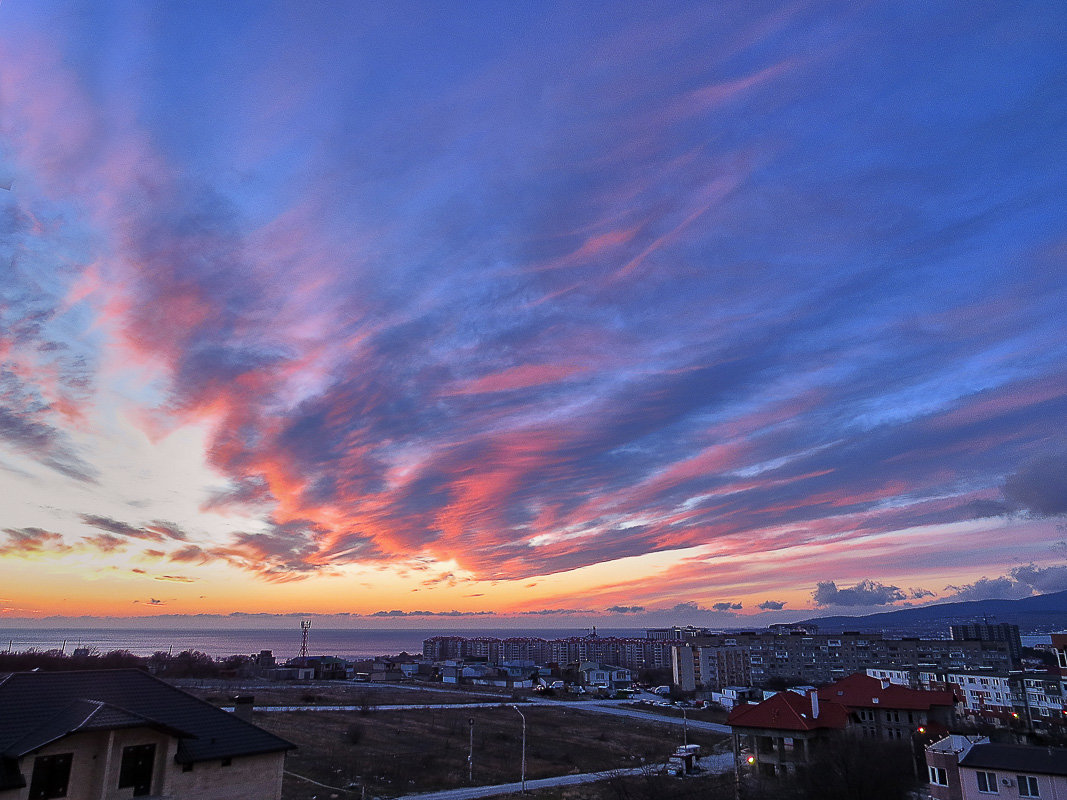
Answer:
(354, 733)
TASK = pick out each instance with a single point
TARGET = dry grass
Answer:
(397, 753)
(335, 694)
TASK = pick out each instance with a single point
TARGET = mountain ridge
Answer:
(1039, 613)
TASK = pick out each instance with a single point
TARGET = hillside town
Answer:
(957, 718)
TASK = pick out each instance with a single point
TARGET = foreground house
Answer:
(786, 730)
(116, 734)
(962, 768)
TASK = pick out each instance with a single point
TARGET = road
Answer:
(717, 763)
(595, 707)
(609, 707)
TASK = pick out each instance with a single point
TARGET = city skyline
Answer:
(679, 312)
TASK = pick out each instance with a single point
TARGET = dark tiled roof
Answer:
(788, 711)
(82, 715)
(1017, 758)
(43, 706)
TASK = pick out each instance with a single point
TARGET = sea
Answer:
(285, 642)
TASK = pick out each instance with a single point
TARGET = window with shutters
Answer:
(138, 762)
(51, 774)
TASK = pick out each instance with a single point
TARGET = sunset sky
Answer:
(706, 312)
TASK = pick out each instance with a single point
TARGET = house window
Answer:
(136, 769)
(938, 776)
(987, 782)
(1028, 786)
(51, 774)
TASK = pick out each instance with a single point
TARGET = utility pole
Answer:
(523, 747)
(470, 754)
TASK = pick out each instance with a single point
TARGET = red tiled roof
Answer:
(788, 711)
(862, 691)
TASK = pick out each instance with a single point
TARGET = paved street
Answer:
(645, 716)
(609, 707)
(717, 763)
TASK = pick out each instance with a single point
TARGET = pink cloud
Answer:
(520, 377)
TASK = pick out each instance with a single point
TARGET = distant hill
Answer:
(1041, 613)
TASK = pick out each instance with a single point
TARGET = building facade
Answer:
(117, 734)
(805, 657)
(631, 653)
(962, 768)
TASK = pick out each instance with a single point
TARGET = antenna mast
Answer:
(305, 626)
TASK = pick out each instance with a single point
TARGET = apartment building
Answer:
(801, 656)
(1003, 698)
(710, 667)
(628, 652)
(991, 632)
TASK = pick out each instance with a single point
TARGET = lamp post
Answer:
(685, 728)
(470, 754)
(523, 747)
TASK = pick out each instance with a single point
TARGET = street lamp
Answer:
(470, 754)
(685, 728)
(523, 747)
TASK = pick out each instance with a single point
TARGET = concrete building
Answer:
(882, 710)
(701, 667)
(800, 656)
(631, 653)
(991, 632)
(1031, 699)
(116, 734)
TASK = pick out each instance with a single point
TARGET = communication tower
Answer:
(305, 626)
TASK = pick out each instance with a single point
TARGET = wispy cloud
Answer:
(659, 282)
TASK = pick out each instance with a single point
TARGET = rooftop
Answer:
(1017, 758)
(788, 711)
(863, 691)
(40, 707)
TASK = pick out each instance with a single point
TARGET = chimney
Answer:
(242, 706)
(814, 704)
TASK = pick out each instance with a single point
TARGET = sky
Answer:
(647, 313)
